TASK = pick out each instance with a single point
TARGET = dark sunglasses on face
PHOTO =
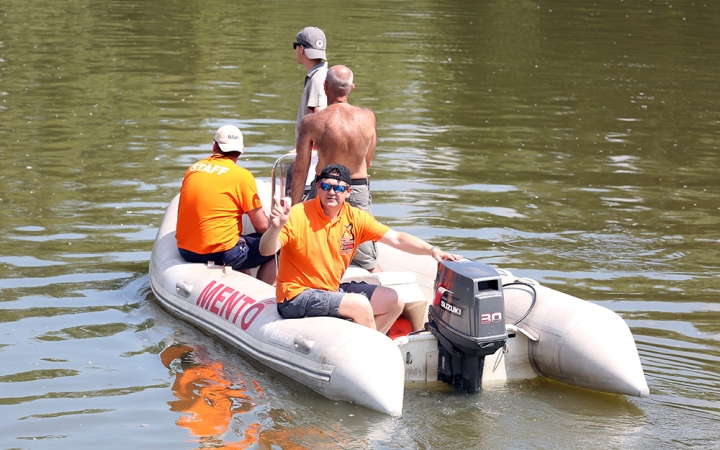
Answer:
(296, 44)
(337, 188)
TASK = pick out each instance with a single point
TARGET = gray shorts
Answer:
(367, 254)
(319, 303)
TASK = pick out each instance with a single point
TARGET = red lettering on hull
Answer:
(247, 321)
(223, 301)
(207, 294)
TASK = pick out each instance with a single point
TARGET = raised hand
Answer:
(280, 212)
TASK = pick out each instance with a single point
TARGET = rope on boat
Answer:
(534, 297)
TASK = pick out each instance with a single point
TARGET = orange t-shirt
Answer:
(316, 251)
(215, 194)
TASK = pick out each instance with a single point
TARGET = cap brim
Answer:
(225, 148)
(314, 53)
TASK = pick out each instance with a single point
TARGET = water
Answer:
(572, 142)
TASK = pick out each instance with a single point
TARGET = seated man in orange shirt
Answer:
(318, 238)
(215, 193)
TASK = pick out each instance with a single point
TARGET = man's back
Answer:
(214, 195)
(343, 134)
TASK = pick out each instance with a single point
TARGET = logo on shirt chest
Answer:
(347, 240)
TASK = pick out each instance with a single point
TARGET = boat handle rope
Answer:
(499, 358)
(534, 297)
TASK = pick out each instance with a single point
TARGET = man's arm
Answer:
(303, 148)
(411, 244)
(259, 220)
(269, 242)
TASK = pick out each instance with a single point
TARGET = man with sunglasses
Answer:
(318, 239)
(310, 45)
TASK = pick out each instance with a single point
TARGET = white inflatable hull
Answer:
(563, 338)
(337, 358)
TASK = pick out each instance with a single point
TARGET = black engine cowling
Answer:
(468, 318)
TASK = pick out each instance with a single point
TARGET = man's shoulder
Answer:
(241, 172)
(309, 121)
(214, 160)
(355, 213)
(319, 72)
(318, 117)
(317, 75)
(363, 115)
(320, 68)
(246, 173)
(349, 110)
(368, 112)
(359, 110)
(302, 214)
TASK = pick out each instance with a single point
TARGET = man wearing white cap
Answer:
(215, 193)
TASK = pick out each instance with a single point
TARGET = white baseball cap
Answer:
(229, 139)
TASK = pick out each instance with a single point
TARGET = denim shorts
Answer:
(319, 303)
(244, 256)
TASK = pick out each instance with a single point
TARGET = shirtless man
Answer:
(342, 134)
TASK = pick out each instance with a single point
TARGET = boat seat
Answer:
(402, 282)
(357, 273)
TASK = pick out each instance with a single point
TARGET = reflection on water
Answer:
(214, 407)
(571, 142)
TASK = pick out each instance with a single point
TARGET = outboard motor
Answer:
(468, 319)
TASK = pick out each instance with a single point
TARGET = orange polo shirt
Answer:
(316, 251)
(215, 194)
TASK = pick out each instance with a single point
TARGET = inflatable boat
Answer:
(464, 323)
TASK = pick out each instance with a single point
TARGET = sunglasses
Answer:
(296, 44)
(337, 188)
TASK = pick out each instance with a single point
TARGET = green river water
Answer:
(572, 142)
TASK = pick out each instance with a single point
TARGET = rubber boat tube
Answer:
(563, 337)
(580, 343)
(339, 359)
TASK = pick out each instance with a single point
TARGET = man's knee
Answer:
(355, 306)
(389, 298)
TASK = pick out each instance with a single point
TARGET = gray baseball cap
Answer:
(313, 41)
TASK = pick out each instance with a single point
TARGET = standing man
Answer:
(342, 134)
(310, 45)
(215, 193)
(318, 239)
